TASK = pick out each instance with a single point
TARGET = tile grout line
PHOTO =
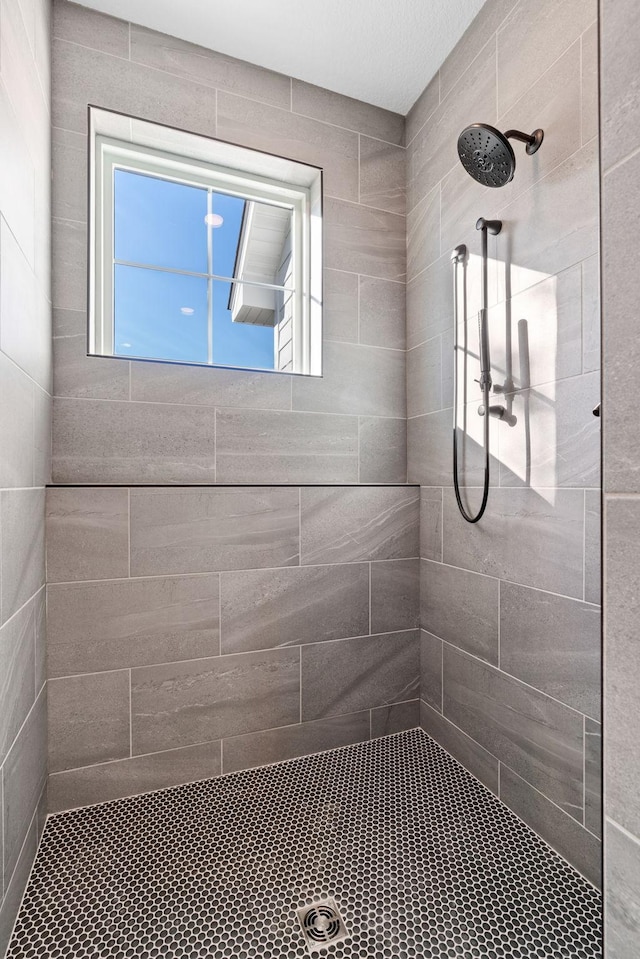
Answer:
(584, 771)
(300, 682)
(510, 676)
(498, 623)
(584, 548)
(219, 613)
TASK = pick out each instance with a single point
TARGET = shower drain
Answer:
(321, 924)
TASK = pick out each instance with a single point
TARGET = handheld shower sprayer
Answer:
(459, 258)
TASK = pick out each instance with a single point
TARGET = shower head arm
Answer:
(533, 140)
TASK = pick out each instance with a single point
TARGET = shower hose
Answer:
(459, 256)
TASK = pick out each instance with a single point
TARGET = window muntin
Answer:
(194, 262)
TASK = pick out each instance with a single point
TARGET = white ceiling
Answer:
(380, 51)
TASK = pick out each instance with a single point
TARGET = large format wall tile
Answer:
(275, 745)
(14, 889)
(422, 109)
(351, 382)
(364, 240)
(621, 218)
(382, 312)
(555, 223)
(88, 719)
(556, 441)
(181, 704)
(313, 101)
(25, 774)
(17, 674)
(340, 306)
(546, 553)
(354, 674)
(82, 76)
(95, 441)
(592, 546)
(593, 777)
(552, 103)
(286, 447)
(619, 84)
(461, 608)
(286, 134)
(87, 534)
(23, 568)
(432, 153)
(394, 718)
(87, 377)
(351, 525)
(622, 661)
(261, 609)
(359, 149)
(130, 777)
(395, 595)
(431, 670)
(199, 386)
(431, 523)
(622, 888)
(382, 175)
(532, 38)
(16, 425)
(94, 30)
(533, 735)
(25, 437)
(382, 450)
(466, 750)
(536, 335)
(174, 56)
(192, 530)
(559, 830)
(552, 643)
(110, 625)
(25, 312)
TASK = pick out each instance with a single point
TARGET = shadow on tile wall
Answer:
(25, 439)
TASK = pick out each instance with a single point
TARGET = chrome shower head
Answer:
(487, 155)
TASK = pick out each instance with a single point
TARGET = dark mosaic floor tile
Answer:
(420, 859)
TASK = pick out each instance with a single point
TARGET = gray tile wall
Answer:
(125, 422)
(213, 629)
(25, 436)
(511, 642)
(620, 113)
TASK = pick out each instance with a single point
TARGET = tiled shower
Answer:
(245, 568)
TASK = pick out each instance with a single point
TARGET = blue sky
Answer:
(163, 224)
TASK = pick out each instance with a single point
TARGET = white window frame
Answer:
(109, 153)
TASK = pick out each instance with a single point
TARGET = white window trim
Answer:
(111, 153)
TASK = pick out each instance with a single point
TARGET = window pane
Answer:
(160, 315)
(160, 222)
(225, 231)
(243, 325)
(253, 242)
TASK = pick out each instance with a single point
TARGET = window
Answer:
(202, 252)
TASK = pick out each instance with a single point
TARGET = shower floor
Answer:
(421, 860)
